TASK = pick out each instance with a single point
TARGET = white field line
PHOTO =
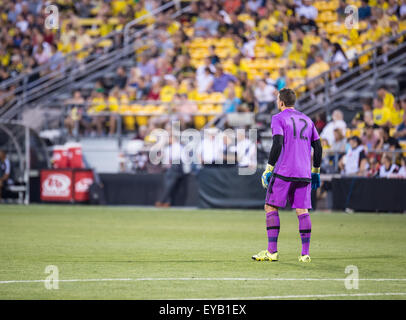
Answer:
(197, 279)
(333, 295)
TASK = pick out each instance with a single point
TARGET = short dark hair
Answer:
(356, 139)
(287, 96)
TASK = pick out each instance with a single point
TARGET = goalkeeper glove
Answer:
(266, 175)
(315, 178)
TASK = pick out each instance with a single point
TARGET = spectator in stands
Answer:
(340, 142)
(358, 121)
(121, 78)
(402, 170)
(316, 69)
(396, 114)
(306, 9)
(381, 114)
(265, 95)
(369, 138)
(185, 108)
(56, 59)
(311, 58)
(369, 120)
(400, 133)
(402, 10)
(337, 122)
(232, 6)
(364, 12)
(326, 49)
(248, 100)
(5, 171)
(393, 8)
(146, 67)
(77, 114)
(205, 25)
(232, 102)
(221, 80)
(339, 58)
(385, 141)
(320, 122)
(43, 53)
(154, 92)
(213, 57)
(205, 81)
(387, 168)
(350, 164)
(387, 97)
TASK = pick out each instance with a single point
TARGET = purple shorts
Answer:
(297, 192)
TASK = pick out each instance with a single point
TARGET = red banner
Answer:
(56, 185)
(66, 185)
(83, 179)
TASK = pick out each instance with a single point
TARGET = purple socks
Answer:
(272, 228)
(305, 230)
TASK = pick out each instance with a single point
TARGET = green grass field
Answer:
(146, 253)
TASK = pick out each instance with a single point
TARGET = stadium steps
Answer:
(43, 91)
(358, 83)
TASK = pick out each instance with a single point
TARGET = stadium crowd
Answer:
(220, 56)
(232, 56)
(371, 146)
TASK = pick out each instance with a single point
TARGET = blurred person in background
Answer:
(5, 172)
(401, 173)
(387, 168)
(232, 103)
(320, 121)
(185, 109)
(265, 95)
(402, 10)
(339, 60)
(351, 162)
(385, 141)
(381, 114)
(336, 122)
(174, 172)
(387, 97)
(340, 142)
(364, 12)
(205, 81)
(400, 133)
(306, 9)
(369, 137)
(358, 121)
(221, 80)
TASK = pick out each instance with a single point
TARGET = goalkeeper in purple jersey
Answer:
(289, 175)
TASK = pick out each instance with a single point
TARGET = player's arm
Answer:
(273, 158)
(317, 154)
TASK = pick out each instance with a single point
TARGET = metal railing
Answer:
(353, 78)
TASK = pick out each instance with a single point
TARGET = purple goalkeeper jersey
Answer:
(298, 133)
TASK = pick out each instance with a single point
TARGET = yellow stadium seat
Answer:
(93, 32)
(89, 22)
(105, 43)
(199, 121)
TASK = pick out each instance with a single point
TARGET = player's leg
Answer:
(276, 197)
(305, 230)
(272, 227)
(301, 201)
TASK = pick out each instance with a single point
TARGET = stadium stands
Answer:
(216, 57)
